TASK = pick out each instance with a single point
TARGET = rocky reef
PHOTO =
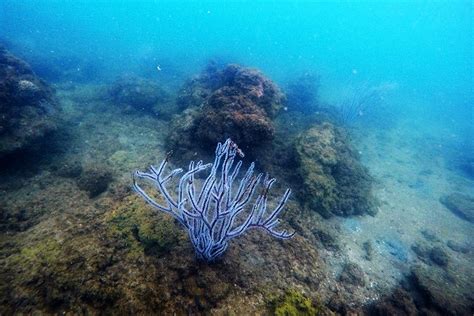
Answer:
(142, 95)
(234, 102)
(28, 108)
(334, 180)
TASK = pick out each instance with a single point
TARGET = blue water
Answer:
(424, 46)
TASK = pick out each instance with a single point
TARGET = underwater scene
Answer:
(236, 157)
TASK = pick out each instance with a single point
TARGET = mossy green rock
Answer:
(294, 303)
(334, 180)
(141, 229)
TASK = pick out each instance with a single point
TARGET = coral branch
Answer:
(211, 215)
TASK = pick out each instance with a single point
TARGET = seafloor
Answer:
(68, 250)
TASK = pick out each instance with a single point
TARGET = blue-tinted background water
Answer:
(424, 46)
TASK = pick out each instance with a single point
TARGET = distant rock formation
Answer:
(142, 95)
(28, 108)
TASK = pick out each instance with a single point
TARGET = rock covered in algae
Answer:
(140, 229)
(449, 292)
(294, 303)
(233, 102)
(334, 180)
(28, 108)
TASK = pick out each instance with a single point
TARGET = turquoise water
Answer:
(425, 46)
(412, 60)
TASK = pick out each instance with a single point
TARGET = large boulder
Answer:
(234, 102)
(334, 181)
(28, 108)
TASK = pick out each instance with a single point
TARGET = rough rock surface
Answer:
(28, 107)
(446, 291)
(234, 102)
(332, 175)
(352, 274)
(397, 303)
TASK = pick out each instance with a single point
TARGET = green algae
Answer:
(335, 182)
(35, 257)
(294, 303)
(141, 229)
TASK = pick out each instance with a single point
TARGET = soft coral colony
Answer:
(211, 215)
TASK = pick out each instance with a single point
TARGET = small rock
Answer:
(352, 274)
(449, 294)
(422, 250)
(328, 240)
(439, 256)
(369, 250)
(430, 235)
(457, 247)
(460, 204)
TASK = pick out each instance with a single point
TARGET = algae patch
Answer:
(140, 229)
(294, 303)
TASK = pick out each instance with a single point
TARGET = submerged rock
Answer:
(460, 204)
(233, 102)
(335, 182)
(352, 274)
(457, 247)
(28, 108)
(422, 251)
(429, 254)
(439, 256)
(399, 303)
(141, 94)
(69, 169)
(447, 292)
(327, 238)
(369, 250)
